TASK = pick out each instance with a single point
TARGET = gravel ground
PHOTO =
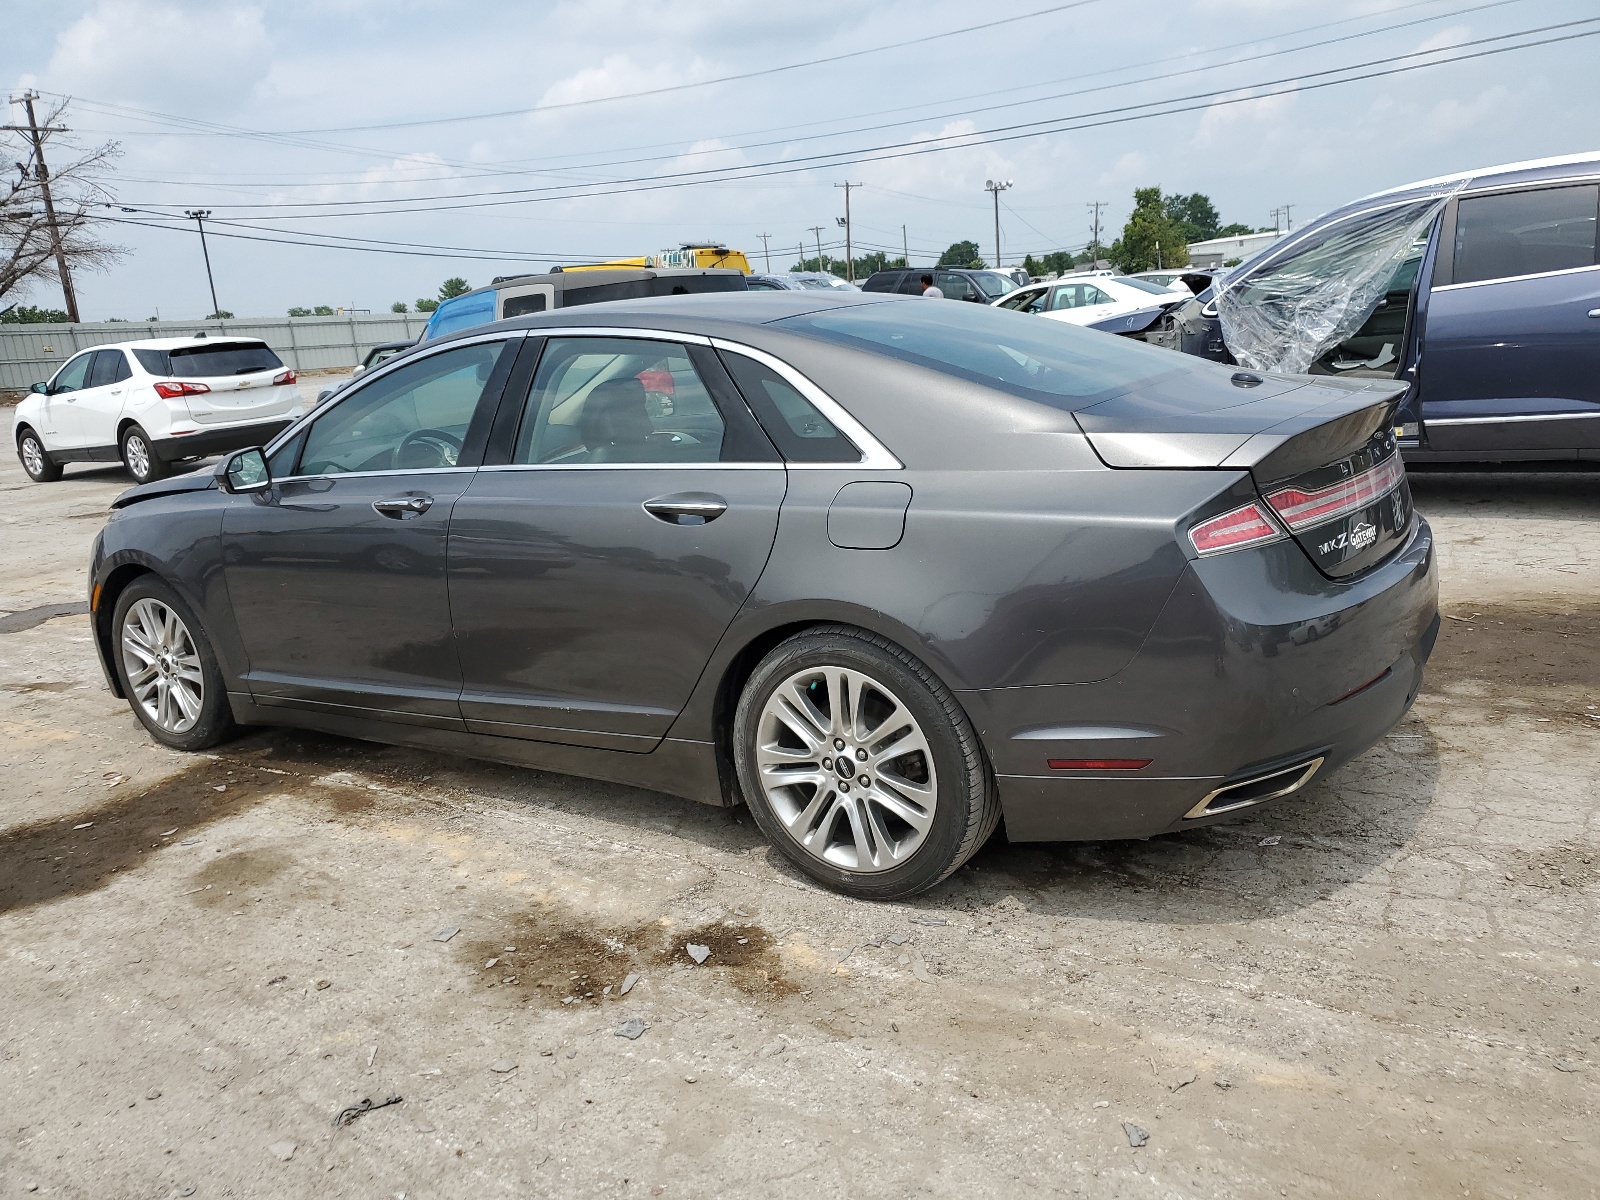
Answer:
(1384, 988)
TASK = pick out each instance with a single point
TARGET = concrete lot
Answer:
(1386, 988)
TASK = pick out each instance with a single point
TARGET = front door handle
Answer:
(1594, 312)
(403, 506)
(687, 508)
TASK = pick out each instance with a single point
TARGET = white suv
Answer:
(153, 403)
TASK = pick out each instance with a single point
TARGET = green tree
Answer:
(27, 314)
(1194, 214)
(427, 305)
(221, 314)
(453, 287)
(398, 306)
(1151, 238)
(962, 254)
(322, 310)
(299, 312)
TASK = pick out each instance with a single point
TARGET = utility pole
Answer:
(817, 229)
(1288, 219)
(995, 188)
(42, 174)
(1281, 220)
(905, 246)
(1094, 240)
(198, 216)
(849, 246)
(766, 251)
(800, 265)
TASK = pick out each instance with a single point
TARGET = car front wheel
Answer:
(167, 668)
(139, 456)
(860, 766)
(35, 459)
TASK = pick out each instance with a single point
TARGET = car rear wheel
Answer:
(860, 766)
(35, 459)
(167, 668)
(139, 456)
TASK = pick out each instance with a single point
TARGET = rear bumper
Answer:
(1258, 664)
(219, 441)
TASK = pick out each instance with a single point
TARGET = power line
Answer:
(1308, 81)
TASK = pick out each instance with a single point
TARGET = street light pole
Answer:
(849, 247)
(766, 250)
(198, 216)
(995, 188)
(817, 230)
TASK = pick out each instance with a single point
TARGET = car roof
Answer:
(172, 343)
(1533, 170)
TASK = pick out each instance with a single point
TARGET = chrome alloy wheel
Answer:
(33, 456)
(846, 768)
(163, 666)
(138, 456)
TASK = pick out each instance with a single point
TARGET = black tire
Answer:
(43, 469)
(139, 456)
(214, 722)
(966, 806)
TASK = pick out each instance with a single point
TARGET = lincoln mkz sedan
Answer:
(885, 570)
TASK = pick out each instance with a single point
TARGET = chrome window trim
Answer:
(377, 474)
(618, 331)
(1501, 420)
(378, 372)
(640, 466)
(874, 454)
(1452, 287)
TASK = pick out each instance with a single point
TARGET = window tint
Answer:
(124, 371)
(763, 285)
(796, 427)
(521, 306)
(155, 362)
(1049, 361)
(71, 377)
(996, 284)
(911, 283)
(954, 287)
(883, 281)
(227, 358)
(104, 370)
(1525, 233)
(411, 419)
(617, 400)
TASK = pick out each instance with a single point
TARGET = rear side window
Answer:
(796, 427)
(225, 358)
(617, 400)
(521, 306)
(104, 370)
(883, 281)
(1525, 233)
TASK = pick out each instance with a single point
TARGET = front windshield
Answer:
(1058, 364)
(995, 283)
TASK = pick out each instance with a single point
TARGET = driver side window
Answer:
(412, 419)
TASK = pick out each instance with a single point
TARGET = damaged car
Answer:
(1480, 292)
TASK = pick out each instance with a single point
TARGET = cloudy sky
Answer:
(531, 133)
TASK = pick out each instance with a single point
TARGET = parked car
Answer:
(1125, 306)
(154, 402)
(799, 281)
(769, 283)
(1479, 292)
(383, 352)
(957, 283)
(1016, 274)
(885, 569)
(520, 295)
(1168, 279)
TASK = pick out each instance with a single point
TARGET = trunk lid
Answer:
(1320, 451)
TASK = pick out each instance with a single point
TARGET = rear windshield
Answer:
(210, 362)
(1058, 364)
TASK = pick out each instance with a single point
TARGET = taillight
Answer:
(1301, 509)
(1247, 526)
(284, 377)
(171, 391)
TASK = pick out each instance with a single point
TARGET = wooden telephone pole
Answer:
(42, 173)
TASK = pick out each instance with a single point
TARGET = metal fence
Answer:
(29, 353)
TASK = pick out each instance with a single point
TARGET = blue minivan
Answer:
(1481, 291)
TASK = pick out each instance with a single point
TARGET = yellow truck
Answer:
(688, 255)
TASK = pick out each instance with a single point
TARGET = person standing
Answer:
(929, 292)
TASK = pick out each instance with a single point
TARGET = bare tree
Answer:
(30, 249)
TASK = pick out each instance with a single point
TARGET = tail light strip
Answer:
(171, 391)
(1301, 509)
(1247, 526)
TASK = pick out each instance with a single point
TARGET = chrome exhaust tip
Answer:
(1257, 790)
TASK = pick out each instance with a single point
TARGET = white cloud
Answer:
(619, 75)
(200, 59)
(1242, 115)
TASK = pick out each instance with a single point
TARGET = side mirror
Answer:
(244, 471)
(42, 388)
(359, 367)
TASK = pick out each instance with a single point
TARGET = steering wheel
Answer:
(446, 445)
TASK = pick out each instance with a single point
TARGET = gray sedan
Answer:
(886, 571)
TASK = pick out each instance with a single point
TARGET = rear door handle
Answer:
(687, 508)
(1594, 312)
(403, 506)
